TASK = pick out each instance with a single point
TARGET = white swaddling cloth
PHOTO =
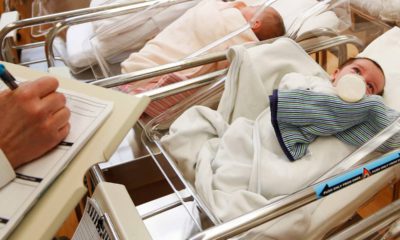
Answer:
(208, 21)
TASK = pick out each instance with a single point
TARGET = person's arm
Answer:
(34, 120)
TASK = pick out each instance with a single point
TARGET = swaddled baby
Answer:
(306, 107)
(205, 23)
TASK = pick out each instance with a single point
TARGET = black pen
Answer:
(7, 78)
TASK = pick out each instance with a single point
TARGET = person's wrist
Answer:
(7, 173)
(10, 155)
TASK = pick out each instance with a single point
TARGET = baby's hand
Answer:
(292, 81)
(298, 81)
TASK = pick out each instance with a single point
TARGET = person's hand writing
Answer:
(34, 120)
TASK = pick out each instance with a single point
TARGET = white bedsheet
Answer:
(388, 60)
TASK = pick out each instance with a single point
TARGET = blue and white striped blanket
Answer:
(300, 116)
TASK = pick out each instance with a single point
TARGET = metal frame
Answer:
(371, 225)
(57, 17)
(6, 5)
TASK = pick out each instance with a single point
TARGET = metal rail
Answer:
(160, 70)
(219, 56)
(325, 32)
(178, 87)
(267, 213)
(95, 175)
(371, 225)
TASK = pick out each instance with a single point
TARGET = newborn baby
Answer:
(205, 23)
(201, 25)
(316, 106)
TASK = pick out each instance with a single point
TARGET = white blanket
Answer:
(203, 24)
(236, 162)
(255, 72)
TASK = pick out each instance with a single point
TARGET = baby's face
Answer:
(374, 78)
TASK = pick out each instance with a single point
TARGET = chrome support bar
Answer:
(325, 32)
(160, 70)
(165, 207)
(333, 42)
(319, 32)
(178, 87)
(214, 57)
(96, 175)
(29, 45)
(371, 225)
(6, 6)
(38, 61)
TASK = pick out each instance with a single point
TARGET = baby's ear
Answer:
(256, 26)
(333, 75)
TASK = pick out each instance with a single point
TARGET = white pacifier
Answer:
(351, 88)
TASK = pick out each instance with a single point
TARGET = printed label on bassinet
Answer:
(330, 186)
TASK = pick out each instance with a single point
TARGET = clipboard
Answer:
(50, 211)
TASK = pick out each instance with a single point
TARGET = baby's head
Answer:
(368, 69)
(268, 24)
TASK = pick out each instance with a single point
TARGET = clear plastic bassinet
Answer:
(113, 40)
